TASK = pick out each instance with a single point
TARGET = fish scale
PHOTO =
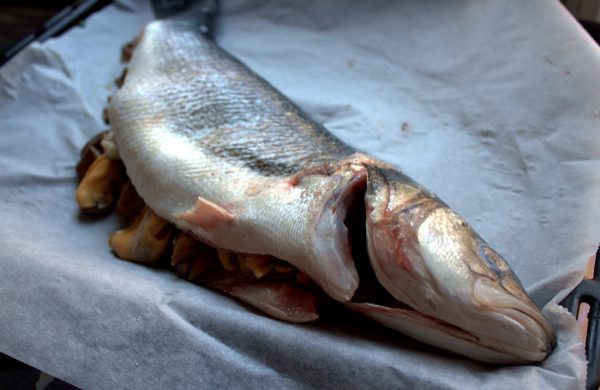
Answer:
(234, 98)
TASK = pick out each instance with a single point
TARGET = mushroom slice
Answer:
(145, 241)
(98, 191)
(192, 258)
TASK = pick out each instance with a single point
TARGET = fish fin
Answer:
(278, 299)
(207, 215)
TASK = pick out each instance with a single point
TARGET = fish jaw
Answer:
(427, 257)
(437, 333)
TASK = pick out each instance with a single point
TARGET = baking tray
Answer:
(588, 291)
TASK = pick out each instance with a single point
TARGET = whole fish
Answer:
(216, 150)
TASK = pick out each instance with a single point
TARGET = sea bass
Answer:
(214, 149)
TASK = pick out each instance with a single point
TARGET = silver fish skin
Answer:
(213, 148)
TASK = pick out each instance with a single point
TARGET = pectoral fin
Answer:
(207, 215)
(280, 300)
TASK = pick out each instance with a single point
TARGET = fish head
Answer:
(428, 258)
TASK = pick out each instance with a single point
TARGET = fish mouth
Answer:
(441, 334)
(492, 323)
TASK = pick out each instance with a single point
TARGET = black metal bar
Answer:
(204, 11)
(208, 13)
(588, 291)
(57, 24)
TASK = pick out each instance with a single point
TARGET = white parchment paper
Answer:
(494, 106)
